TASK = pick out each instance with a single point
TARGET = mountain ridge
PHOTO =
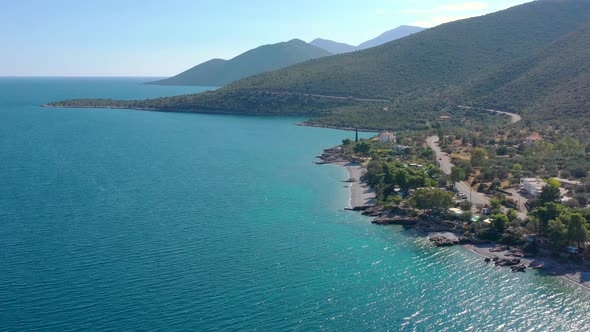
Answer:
(332, 46)
(466, 62)
(391, 35)
(220, 72)
(387, 36)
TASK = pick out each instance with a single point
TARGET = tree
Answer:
(512, 215)
(582, 199)
(500, 222)
(478, 157)
(547, 212)
(395, 200)
(482, 187)
(496, 183)
(517, 170)
(346, 141)
(458, 174)
(553, 182)
(549, 193)
(579, 172)
(577, 230)
(362, 148)
(556, 232)
(466, 205)
(495, 206)
(434, 199)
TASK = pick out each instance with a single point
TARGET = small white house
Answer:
(399, 149)
(387, 136)
(533, 186)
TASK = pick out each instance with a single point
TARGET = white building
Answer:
(399, 149)
(387, 136)
(533, 186)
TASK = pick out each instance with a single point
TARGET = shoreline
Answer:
(362, 199)
(547, 265)
(359, 193)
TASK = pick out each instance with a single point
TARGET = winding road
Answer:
(514, 118)
(444, 161)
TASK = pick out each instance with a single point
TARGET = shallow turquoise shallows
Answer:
(128, 220)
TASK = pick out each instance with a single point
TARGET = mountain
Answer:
(218, 72)
(431, 61)
(391, 35)
(552, 83)
(512, 58)
(332, 46)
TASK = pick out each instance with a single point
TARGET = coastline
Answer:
(359, 193)
(549, 266)
(361, 199)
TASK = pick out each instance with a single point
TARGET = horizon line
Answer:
(77, 76)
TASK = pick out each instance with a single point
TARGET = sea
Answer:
(121, 220)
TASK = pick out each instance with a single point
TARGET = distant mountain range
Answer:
(219, 72)
(533, 59)
(386, 37)
(332, 46)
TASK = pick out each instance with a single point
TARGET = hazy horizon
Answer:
(66, 38)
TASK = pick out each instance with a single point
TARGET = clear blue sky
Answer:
(162, 38)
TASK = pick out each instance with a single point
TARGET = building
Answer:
(532, 138)
(387, 136)
(533, 186)
(400, 149)
(444, 118)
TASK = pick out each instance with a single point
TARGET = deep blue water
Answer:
(128, 220)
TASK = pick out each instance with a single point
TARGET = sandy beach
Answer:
(360, 193)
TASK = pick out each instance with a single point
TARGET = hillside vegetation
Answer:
(391, 35)
(436, 58)
(218, 72)
(552, 84)
(530, 58)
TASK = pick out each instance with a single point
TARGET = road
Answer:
(514, 118)
(444, 161)
(521, 203)
(326, 96)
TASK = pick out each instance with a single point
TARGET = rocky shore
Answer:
(444, 233)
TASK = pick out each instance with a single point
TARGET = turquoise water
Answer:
(127, 220)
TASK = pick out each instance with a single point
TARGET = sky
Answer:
(163, 38)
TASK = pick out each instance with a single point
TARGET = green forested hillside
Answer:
(433, 59)
(234, 102)
(218, 72)
(529, 58)
(552, 84)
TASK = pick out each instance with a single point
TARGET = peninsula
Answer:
(499, 101)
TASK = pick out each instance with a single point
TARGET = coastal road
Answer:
(514, 118)
(326, 96)
(521, 202)
(472, 195)
(444, 161)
